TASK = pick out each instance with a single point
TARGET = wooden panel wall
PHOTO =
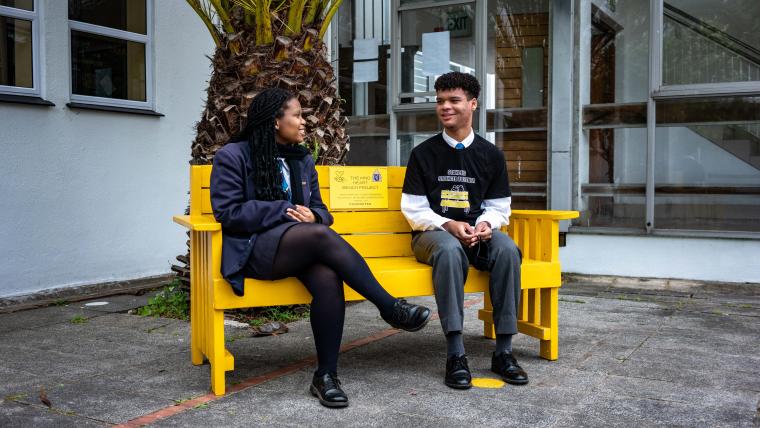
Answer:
(525, 151)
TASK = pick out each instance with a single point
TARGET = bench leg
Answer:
(549, 319)
(217, 358)
(486, 314)
(196, 352)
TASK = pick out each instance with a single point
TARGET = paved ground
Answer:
(627, 357)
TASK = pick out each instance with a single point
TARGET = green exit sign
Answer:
(459, 24)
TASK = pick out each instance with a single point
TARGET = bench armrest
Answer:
(198, 223)
(546, 215)
(536, 232)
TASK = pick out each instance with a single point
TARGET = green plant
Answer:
(78, 319)
(171, 302)
(257, 317)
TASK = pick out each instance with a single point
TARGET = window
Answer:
(707, 164)
(613, 154)
(110, 52)
(693, 166)
(709, 42)
(362, 34)
(447, 33)
(516, 91)
(19, 47)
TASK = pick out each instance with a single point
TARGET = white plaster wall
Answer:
(727, 260)
(88, 196)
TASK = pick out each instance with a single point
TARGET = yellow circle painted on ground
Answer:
(484, 382)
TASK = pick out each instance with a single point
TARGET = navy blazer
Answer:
(242, 216)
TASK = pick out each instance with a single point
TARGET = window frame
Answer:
(34, 17)
(145, 39)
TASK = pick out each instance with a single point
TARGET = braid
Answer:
(259, 132)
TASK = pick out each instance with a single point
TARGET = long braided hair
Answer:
(259, 131)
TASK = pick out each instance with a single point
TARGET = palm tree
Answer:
(261, 44)
(265, 43)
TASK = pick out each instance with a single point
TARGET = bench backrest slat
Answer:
(385, 232)
(374, 233)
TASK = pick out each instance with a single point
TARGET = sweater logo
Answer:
(457, 197)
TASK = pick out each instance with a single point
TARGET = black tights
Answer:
(322, 261)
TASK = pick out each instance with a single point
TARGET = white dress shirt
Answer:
(420, 216)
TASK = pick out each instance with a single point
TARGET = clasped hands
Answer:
(301, 214)
(468, 235)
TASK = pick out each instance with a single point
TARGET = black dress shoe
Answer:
(505, 365)
(458, 372)
(407, 316)
(327, 389)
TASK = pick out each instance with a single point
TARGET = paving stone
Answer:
(33, 318)
(98, 400)
(119, 303)
(20, 415)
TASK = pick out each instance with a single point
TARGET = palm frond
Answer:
(204, 11)
(331, 11)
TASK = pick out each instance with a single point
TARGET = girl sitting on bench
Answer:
(265, 193)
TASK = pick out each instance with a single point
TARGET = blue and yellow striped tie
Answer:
(285, 187)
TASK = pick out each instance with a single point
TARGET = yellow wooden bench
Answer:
(383, 238)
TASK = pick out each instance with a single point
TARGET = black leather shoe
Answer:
(407, 316)
(505, 365)
(327, 389)
(458, 372)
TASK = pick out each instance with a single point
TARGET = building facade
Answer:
(98, 101)
(641, 114)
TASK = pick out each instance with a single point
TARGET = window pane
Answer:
(619, 51)
(418, 72)
(710, 41)
(127, 15)
(369, 140)
(613, 176)
(363, 53)
(414, 128)
(18, 4)
(707, 177)
(107, 67)
(16, 53)
(517, 73)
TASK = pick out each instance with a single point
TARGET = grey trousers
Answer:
(450, 261)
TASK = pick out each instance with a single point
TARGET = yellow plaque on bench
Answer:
(358, 187)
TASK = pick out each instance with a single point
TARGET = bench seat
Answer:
(400, 276)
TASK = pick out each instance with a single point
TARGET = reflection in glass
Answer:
(19, 4)
(369, 140)
(459, 21)
(710, 41)
(414, 128)
(619, 51)
(363, 98)
(107, 67)
(127, 15)
(517, 92)
(613, 177)
(707, 177)
(16, 53)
